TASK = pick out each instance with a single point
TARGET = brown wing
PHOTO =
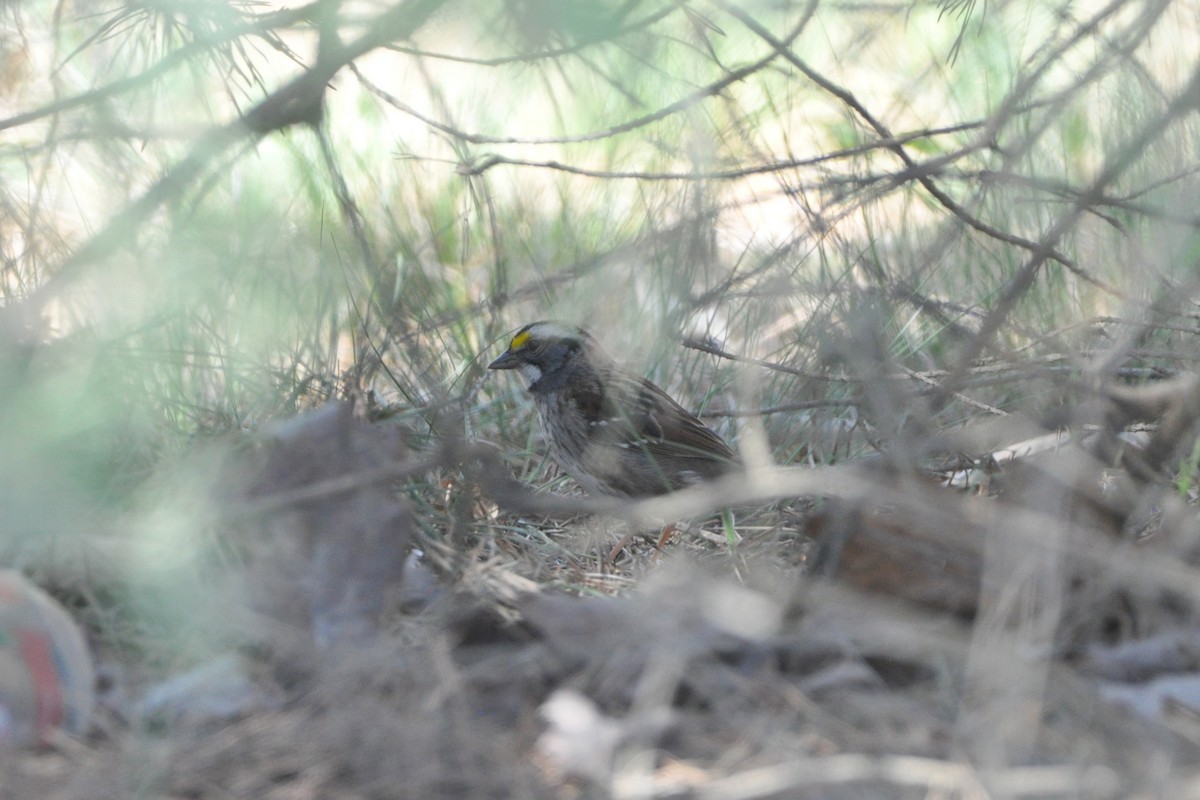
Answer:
(646, 417)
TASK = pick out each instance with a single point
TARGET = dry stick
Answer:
(692, 175)
(1043, 249)
(936, 777)
(1010, 106)
(682, 104)
(699, 175)
(936, 388)
(159, 68)
(295, 102)
(919, 171)
(981, 375)
(719, 175)
(704, 347)
(803, 405)
(1068, 193)
(1188, 100)
(861, 488)
(1007, 371)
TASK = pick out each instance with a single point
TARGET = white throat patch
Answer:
(530, 373)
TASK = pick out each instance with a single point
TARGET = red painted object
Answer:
(46, 675)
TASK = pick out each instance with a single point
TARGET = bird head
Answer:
(541, 348)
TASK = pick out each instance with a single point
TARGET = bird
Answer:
(615, 433)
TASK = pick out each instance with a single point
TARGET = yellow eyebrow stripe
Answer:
(519, 341)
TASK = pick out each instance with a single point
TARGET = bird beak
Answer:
(506, 361)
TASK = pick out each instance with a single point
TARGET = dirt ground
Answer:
(920, 642)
